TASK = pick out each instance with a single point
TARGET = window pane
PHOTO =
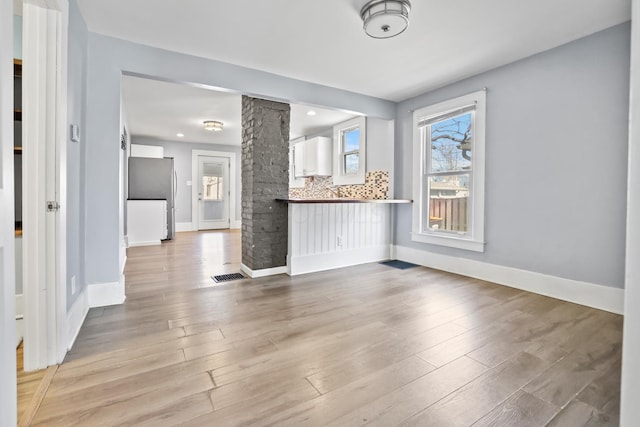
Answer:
(451, 141)
(448, 202)
(212, 188)
(351, 140)
(351, 163)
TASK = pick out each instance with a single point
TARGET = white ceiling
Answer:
(323, 42)
(161, 110)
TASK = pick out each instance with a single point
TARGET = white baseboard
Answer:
(235, 224)
(327, 261)
(584, 293)
(183, 226)
(104, 294)
(19, 318)
(19, 306)
(264, 272)
(76, 316)
(149, 243)
(19, 331)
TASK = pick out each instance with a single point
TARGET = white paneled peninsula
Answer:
(333, 233)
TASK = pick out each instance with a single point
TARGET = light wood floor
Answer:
(361, 345)
(31, 387)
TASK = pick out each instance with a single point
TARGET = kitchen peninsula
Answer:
(327, 233)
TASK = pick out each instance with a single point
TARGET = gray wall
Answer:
(556, 148)
(108, 59)
(181, 153)
(76, 98)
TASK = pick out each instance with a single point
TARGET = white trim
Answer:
(8, 399)
(584, 293)
(475, 240)
(146, 243)
(262, 273)
(194, 187)
(328, 261)
(75, 317)
(629, 408)
(104, 294)
(19, 306)
(183, 226)
(450, 241)
(236, 224)
(19, 319)
(293, 181)
(339, 177)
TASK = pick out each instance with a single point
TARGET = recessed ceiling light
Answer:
(180, 135)
(311, 113)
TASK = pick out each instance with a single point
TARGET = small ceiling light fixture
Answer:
(385, 18)
(213, 125)
(311, 113)
(180, 135)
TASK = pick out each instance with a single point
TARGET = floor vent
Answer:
(402, 265)
(227, 277)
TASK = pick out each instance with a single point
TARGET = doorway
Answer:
(213, 196)
(213, 192)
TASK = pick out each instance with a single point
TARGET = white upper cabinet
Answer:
(313, 157)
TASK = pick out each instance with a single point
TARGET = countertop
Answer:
(345, 200)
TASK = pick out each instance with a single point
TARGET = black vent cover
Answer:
(227, 277)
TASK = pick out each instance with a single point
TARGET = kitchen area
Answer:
(340, 202)
(333, 208)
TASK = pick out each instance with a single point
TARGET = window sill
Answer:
(450, 241)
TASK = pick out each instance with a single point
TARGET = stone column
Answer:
(265, 177)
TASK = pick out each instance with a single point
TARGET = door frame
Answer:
(45, 45)
(8, 398)
(194, 186)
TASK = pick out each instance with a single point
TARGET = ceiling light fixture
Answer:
(311, 113)
(385, 18)
(180, 135)
(213, 125)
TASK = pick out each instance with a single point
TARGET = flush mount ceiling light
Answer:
(213, 125)
(311, 113)
(385, 18)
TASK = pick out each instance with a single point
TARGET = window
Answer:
(212, 183)
(349, 153)
(449, 177)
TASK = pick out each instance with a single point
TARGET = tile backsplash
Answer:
(376, 187)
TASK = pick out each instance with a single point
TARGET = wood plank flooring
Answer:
(32, 387)
(360, 345)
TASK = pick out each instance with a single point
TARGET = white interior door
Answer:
(213, 192)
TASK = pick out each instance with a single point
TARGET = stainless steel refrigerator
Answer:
(154, 179)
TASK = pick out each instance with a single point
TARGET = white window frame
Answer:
(474, 240)
(339, 175)
(293, 181)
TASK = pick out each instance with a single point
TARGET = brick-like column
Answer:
(265, 176)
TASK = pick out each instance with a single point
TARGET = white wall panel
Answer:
(331, 235)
